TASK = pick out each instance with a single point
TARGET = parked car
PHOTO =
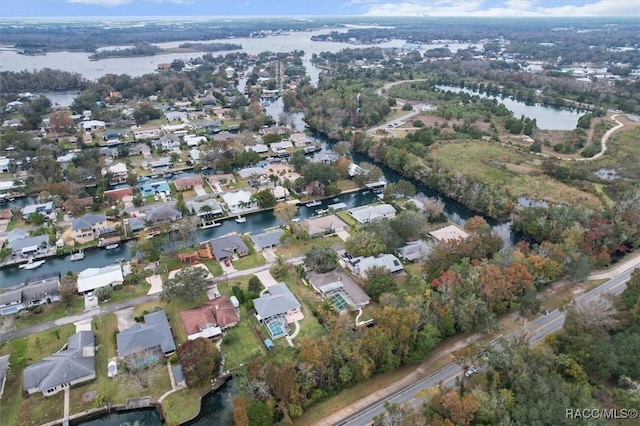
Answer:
(470, 372)
(90, 296)
(227, 262)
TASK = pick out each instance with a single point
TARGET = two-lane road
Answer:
(542, 326)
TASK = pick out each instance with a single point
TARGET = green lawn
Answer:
(300, 247)
(241, 343)
(214, 267)
(180, 406)
(346, 217)
(50, 312)
(15, 409)
(252, 260)
(172, 309)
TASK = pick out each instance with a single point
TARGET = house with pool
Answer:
(276, 309)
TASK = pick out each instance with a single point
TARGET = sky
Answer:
(308, 8)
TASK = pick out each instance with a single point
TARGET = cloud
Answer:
(503, 8)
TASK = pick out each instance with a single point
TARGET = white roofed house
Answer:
(205, 208)
(239, 201)
(117, 170)
(194, 140)
(89, 126)
(146, 132)
(449, 233)
(43, 208)
(360, 265)
(367, 214)
(94, 278)
(161, 164)
(259, 148)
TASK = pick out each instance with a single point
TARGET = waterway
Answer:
(547, 118)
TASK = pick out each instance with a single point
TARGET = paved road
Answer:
(110, 308)
(543, 326)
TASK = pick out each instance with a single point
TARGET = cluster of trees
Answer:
(42, 80)
(591, 363)
(141, 49)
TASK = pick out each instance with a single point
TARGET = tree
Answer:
(103, 293)
(188, 284)
(198, 359)
(321, 259)
(379, 281)
(365, 243)
(265, 199)
(405, 188)
(372, 173)
(255, 285)
(68, 290)
(59, 121)
(320, 172)
(36, 219)
(151, 248)
(285, 213)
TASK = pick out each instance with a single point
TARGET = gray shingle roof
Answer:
(267, 239)
(87, 221)
(29, 242)
(155, 332)
(225, 246)
(279, 301)
(73, 363)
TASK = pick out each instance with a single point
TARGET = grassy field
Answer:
(300, 247)
(50, 312)
(15, 409)
(503, 166)
(623, 154)
(180, 406)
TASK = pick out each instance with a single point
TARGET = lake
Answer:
(547, 118)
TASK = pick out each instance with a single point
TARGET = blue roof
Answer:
(268, 343)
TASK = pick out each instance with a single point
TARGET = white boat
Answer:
(313, 203)
(77, 256)
(241, 219)
(32, 264)
(210, 225)
(112, 246)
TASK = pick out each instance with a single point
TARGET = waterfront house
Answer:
(144, 344)
(339, 288)
(34, 291)
(71, 366)
(210, 319)
(45, 209)
(28, 246)
(360, 265)
(325, 225)
(448, 233)
(119, 194)
(185, 183)
(253, 173)
(277, 308)
(300, 139)
(162, 214)
(414, 250)
(367, 214)
(281, 146)
(93, 278)
(5, 164)
(205, 208)
(227, 246)
(88, 227)
(266, 239)
(239, 201)
(155, 188)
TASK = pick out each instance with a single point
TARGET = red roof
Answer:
(118, 194)
(6, 214)
(218, 311)
(187, 182)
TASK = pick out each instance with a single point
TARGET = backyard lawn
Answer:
(15, 409)
(180, 406)
(300, 247)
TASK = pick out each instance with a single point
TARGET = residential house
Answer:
(162, 214)
(161, 164)
(414, 250)
(448, 233)
(136, 223)
(194, 140)
(168, 142)
(118, 170)
(146, 132)
(5, 164)
(28, 246)
(367, 214)
(4, 369)
(71, 366)
(360, 265)
(119, 194)
(195, 155)
(205, 208)
(280, 192)
(300, 139)
(277, 147)
(140, 149)
(34, 291)
(266, 239)
(339, 288)
(90, 126)
(175, 115)
(253, 172)
(44, 208)
(325, 157)
(155, 188)
(88, 227)
(210, 319)
(239, 201)
(277, 308)
(185, 183)
(112, 137)
(94, 278)
(325, 225)
(143, 344)
(260, 148)
(65, 159)
(227, 246)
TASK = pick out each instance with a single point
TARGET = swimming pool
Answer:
(276, 328)
(339, 302)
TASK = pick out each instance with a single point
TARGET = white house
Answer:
(367, 214)
(194, 140)
(239, 201)
(448, 233)
(360, 265)
(93, 278)
(90, 126)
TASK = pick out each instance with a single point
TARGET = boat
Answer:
(210, 225)
(320, 212)
(32, 264)
(241, 219)
(112, 246)
(313, 203)
(77, 256)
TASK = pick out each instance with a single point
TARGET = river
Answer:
(547, 118)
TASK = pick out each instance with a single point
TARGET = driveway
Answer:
(90, 304)
(266, 278)
(269, 255)
(83, 325)
(227, 269)
(156, 284)
(125, 318)
(343, 235)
